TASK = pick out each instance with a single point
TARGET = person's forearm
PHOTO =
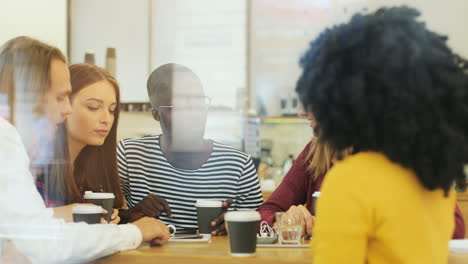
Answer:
(459, 232)
(62, 213)
(267, 215)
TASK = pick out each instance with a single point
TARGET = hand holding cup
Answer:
(289, 227)
(115, 219)
(300, 211)
(105, 200)
(219, 221)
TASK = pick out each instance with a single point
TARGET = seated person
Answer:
(163, 175)
(35, 78)
(305, 177)
(87, 141)
(386, 86)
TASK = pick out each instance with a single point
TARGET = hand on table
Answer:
(153, 230)
(219, 221)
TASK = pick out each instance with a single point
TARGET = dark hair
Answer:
(385, 83)
(160, 82)
(95, 168)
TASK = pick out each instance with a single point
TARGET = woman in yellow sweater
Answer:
(393, 90)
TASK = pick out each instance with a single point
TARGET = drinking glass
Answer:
(289, 228)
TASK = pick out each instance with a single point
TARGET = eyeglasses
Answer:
(187, 103)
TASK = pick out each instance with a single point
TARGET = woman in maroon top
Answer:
(303, 179)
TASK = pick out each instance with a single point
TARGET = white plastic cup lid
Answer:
(87, 209)
(316, 194)
(98, 195)
(242, 216)
(209, 203)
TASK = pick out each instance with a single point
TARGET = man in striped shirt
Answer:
(163, 175)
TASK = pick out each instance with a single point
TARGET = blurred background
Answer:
(245, 52)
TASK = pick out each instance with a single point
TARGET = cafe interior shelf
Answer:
(284, 120)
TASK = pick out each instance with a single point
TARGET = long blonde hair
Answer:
(320, 157)
(24, 74)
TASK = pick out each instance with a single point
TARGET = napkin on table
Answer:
(458, 245)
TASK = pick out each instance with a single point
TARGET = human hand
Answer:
(115, 219)
(308, 219)
(153, 230)
(219, 221)
(152, 206)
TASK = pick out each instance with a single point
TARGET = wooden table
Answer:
(215, 252)
(218, 252)
(458, 258)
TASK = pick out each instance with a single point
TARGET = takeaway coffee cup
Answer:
(207, 211)
(106, 200)
(90, 214)
(242, 230)
(315, 197)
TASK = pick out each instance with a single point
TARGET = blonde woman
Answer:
(305, 177)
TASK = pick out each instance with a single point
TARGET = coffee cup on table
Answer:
(315, 197)
(242, 229)
(90, 214)
(106, 200)
(207, 211)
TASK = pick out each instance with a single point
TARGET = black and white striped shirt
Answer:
(227, 174)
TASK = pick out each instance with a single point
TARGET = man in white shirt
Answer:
(26, 225)
(29, 225)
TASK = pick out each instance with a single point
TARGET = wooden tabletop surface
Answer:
(218, 252)
(215, 252)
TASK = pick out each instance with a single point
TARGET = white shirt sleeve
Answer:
(31, 227)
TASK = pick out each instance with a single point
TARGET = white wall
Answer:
(208, 36)
(282, 30)
(43, 20)
(123, 24)
(445, 17)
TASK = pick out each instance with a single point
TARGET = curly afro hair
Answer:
(385, 83)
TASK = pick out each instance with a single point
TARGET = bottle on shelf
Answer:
(288, 164)
(89, 57)
(266, 160)
(111, 60)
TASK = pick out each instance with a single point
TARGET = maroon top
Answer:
(49, 201)
(40, 185)
(298, 186)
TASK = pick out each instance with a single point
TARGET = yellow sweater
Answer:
(374, 211)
